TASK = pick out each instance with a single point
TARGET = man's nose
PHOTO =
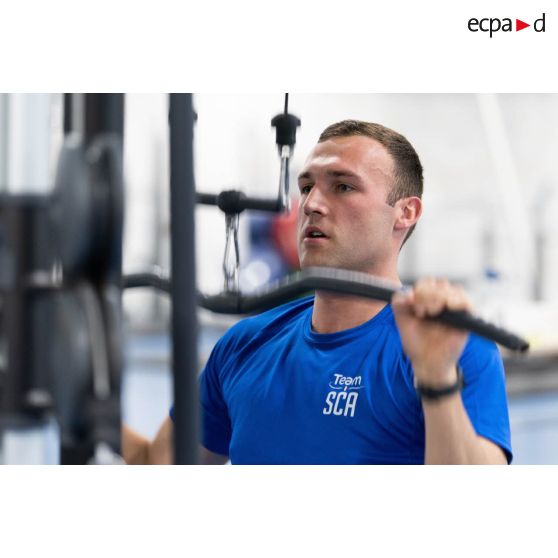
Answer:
(315, 202)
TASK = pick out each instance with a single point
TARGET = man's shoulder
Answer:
(277, 317)
(481, 346)
(250, 333)
(481, 355)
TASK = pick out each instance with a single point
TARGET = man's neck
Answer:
(333, 312)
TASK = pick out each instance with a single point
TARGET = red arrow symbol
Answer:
(519, 25)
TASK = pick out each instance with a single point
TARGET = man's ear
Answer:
(408, 212)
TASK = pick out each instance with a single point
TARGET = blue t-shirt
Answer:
(274, 391)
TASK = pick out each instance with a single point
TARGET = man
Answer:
(343, 379)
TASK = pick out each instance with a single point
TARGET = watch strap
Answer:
(433, 394)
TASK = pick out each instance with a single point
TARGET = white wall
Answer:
(26, 140)
(146, 171)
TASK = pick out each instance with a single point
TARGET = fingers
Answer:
(403, 298)
(430, 296)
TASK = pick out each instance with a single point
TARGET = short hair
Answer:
(408, 179)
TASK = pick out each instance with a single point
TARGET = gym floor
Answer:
(147, 396)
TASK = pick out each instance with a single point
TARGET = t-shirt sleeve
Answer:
(215, 421)
(484, 392)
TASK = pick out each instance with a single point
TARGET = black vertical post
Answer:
(20, 217)
(104, 113)
(183, 284)
(68, 105)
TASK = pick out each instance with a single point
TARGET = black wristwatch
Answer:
(433, 394)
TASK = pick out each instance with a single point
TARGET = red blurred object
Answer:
(283, 233)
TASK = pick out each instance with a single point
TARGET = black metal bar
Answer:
(328, 279)
(207, 199)
(183, 284)
(155, 280)
(111, 123)
(348, 282)
(22, 227)
(16, 258)
(104, 112)
(233, 201)
(68, 105)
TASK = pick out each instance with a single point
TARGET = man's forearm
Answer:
(139, 450)
(451, 438)
(135, 447)
(160, 450)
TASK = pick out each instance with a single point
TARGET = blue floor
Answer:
(147, 396)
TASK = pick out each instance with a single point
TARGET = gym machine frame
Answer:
(61, 260)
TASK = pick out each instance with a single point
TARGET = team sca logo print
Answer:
(341, 401)
(493, 25)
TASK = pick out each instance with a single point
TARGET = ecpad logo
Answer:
(492, 25)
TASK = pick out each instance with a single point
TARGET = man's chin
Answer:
(317, 262)
(314, 260)
(320, 257)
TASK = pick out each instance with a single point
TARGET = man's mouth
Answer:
(314, 233)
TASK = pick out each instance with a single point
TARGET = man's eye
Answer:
(344, 187)
(305, 189)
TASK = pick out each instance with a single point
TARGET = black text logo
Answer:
(493, 25)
